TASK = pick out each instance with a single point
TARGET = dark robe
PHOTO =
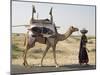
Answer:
(83, 56)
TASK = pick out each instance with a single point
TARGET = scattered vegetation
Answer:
(37, 50)
(57, 51)
(93, 50)
(90, 42)
(15, 48)
(77, 38)
(91, 37)
(15, 51)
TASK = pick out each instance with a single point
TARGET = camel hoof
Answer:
(25, 64)
(41, 65)
(57, 66)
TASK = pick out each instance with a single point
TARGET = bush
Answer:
(93, 50)
(90, 42)
(16, 51)
(15, 48)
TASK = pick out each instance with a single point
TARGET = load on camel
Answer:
(50, 40)
(42, 27)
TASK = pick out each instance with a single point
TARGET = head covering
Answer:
(83, 31)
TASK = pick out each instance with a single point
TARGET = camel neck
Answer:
(64, 36)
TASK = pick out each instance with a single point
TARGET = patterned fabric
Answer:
(40, 30)
(83, 56)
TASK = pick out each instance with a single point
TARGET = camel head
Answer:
(73, 29)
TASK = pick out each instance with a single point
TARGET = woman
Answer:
(83, 56)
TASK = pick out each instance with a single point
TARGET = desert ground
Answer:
(66, 51)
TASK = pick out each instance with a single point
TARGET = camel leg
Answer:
(25, 63)
(25, 53)
(44, 54)
(26, 50)
(54, 55)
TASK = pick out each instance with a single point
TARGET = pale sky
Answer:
(65, 15)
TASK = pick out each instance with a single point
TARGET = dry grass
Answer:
(66, 51)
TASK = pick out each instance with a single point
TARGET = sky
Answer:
(64, 15)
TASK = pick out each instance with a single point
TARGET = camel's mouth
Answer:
(76, 29)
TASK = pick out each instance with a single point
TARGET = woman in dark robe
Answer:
(83, 55)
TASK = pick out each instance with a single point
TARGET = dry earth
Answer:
(66, 51)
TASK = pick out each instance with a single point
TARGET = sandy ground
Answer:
(66, 52)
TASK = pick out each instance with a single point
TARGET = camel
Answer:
(49, 41)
